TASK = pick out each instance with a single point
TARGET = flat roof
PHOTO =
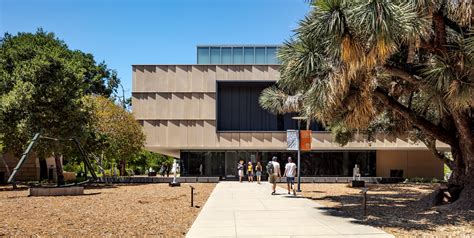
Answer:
(237, 45)
(205, 64)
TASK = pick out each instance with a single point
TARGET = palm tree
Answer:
(357, 63)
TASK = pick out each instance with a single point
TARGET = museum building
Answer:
(207, 115)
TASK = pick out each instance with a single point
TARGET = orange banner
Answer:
(305, 140)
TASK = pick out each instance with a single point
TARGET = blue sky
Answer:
(123, 33)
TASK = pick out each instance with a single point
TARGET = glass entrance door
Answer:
(231, 161)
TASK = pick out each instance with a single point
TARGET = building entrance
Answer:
(231, 161)
(223, 164)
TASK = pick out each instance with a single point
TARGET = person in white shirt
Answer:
(275, 173)
(290, 172)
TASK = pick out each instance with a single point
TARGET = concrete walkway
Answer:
(249, 210)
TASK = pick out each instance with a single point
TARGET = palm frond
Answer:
(277, 101)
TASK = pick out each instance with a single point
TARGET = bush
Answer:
(130, 172)
(71, 167)
(110, 172)
(424, 180)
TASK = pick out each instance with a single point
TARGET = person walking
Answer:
(162, 170)
(290, 172)
(273, 170)
(250, 171)
(240, 170)
(258, 172)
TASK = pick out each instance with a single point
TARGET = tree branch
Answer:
(439, 28)
(430, 142)
(400, 73)
(426, 126)
(453, 25)
(430, 47)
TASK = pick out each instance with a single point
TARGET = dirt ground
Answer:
(399, 209)
(134, 210)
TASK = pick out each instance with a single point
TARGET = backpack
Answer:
(270, 169)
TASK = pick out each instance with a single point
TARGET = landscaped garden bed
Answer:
(403, 210)
(132, 210)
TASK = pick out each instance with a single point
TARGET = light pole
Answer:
(299, 151)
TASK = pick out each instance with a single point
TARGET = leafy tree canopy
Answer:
(114, 132)
(42, 83)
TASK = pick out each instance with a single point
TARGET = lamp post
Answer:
(299, 151)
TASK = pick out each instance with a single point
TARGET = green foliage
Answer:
(447, 170)
(113, 131)
(382, 67)
(342, 134)
(424, 180)
(72, 167)
(42, 83)
(146, 159)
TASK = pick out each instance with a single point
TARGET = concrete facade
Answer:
(176, 105)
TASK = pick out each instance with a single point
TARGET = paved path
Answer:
(249, 210)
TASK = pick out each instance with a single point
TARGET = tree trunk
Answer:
(123, 162)
(462, 178)
(43, 168)
(465, 140)
(463, 154)
(101, 159)
(6, 165)
(459, 138)
(59, 169)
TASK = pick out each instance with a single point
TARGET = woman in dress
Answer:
(258, 172)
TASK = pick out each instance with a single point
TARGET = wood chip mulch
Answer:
(400, 209)
(151, 210)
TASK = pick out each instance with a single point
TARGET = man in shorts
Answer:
(272, 178)
(290, 172)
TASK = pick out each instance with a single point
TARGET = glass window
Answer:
(226, 55)
(260, 55)
(272, 55)
(249, 55)
(215, 55)
(203, 55)
(238, 55)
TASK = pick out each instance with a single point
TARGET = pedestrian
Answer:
(250, 171)
(240, 169)
(162, 170)
(273, 170)
(258, 171)
(167, 169)
(290, 172)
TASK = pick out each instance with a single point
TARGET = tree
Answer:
(386, 65)
(114, 132)
(146, 159)
(42, 83)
